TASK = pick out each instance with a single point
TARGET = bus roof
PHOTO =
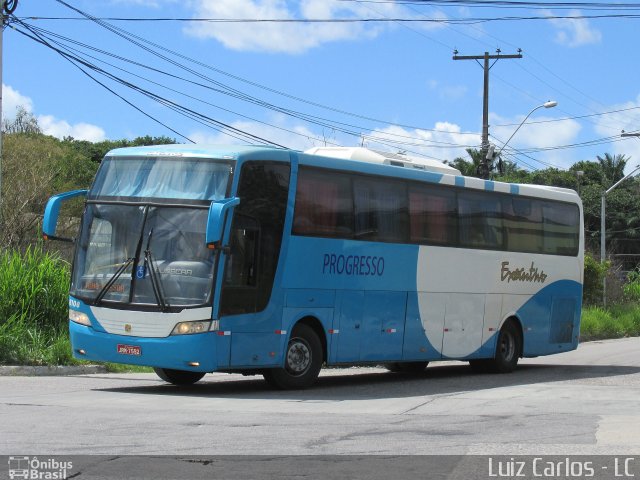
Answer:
(354, 159)
(231, 152)
(387, 158)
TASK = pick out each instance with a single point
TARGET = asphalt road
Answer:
(578, 403)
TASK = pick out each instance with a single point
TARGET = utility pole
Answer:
(8, 7)
(485, 168)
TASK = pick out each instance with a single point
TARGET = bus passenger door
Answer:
(241, 282)
(349, 312)
(254, 244)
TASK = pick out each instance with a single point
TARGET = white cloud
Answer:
(285, 37)
(444, 142)
(297, 137)
(536, 135)
(50, 125)
(61, 128)
(627, 118)
(11, 100)
(574, 32)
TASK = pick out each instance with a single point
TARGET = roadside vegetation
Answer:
(34, 277)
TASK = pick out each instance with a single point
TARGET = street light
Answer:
(602, 230)
(547, 104)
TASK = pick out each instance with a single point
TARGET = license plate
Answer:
(129, 350)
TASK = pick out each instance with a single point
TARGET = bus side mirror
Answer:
(216, 218)
(52, 211)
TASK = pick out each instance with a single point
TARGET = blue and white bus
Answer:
(251, 259)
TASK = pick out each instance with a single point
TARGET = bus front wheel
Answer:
(508, 349)
(302, 363)
(178, 377)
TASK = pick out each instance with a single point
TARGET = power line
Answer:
(510, 4)
(194, 115)
(327, 123)
(305, 117)
(445, 21)
(166, 102)
(136, 39)
(419, 141)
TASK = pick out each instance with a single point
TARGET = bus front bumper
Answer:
(195, 352)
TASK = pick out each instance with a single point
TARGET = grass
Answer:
(22, 343)
(615, 322)
(34, 292)
(34, 289)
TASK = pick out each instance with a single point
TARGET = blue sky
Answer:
(386, 85)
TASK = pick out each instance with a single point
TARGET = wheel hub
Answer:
(298, 357)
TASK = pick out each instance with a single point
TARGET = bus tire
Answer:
(178, 377)
(508, 349)
(302, 361)
(406, 367)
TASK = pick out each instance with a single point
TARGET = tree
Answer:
(34, 167)
(96, 151)
(466, 167)
(591, 172)
(612, 167)
(24, 123)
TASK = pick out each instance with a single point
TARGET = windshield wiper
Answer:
(112, 280)
(154, 275)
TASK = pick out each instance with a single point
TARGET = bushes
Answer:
(33, 308)
(594, 274)
(632, 288)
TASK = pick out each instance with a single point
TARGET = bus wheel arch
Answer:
(509, 347)
(317, 327)
(303, 359)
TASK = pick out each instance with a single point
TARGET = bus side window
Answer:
(481, 223)
(433, 215)
(523, 224)
(381, 210)
(561, 229)
(324, 204)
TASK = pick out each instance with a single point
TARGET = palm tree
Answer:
(466, 167)
(612, 167)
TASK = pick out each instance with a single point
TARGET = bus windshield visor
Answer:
(161, 178)
(119, 245)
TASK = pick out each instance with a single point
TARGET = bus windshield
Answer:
(142, 240)
(127, 241)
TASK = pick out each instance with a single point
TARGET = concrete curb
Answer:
(55, 370)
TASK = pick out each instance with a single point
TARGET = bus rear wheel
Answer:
(406, 367)
(508, 350)
(178, 377)
(302, 362)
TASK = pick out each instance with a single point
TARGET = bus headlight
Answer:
(187, 328)
(79, 317)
